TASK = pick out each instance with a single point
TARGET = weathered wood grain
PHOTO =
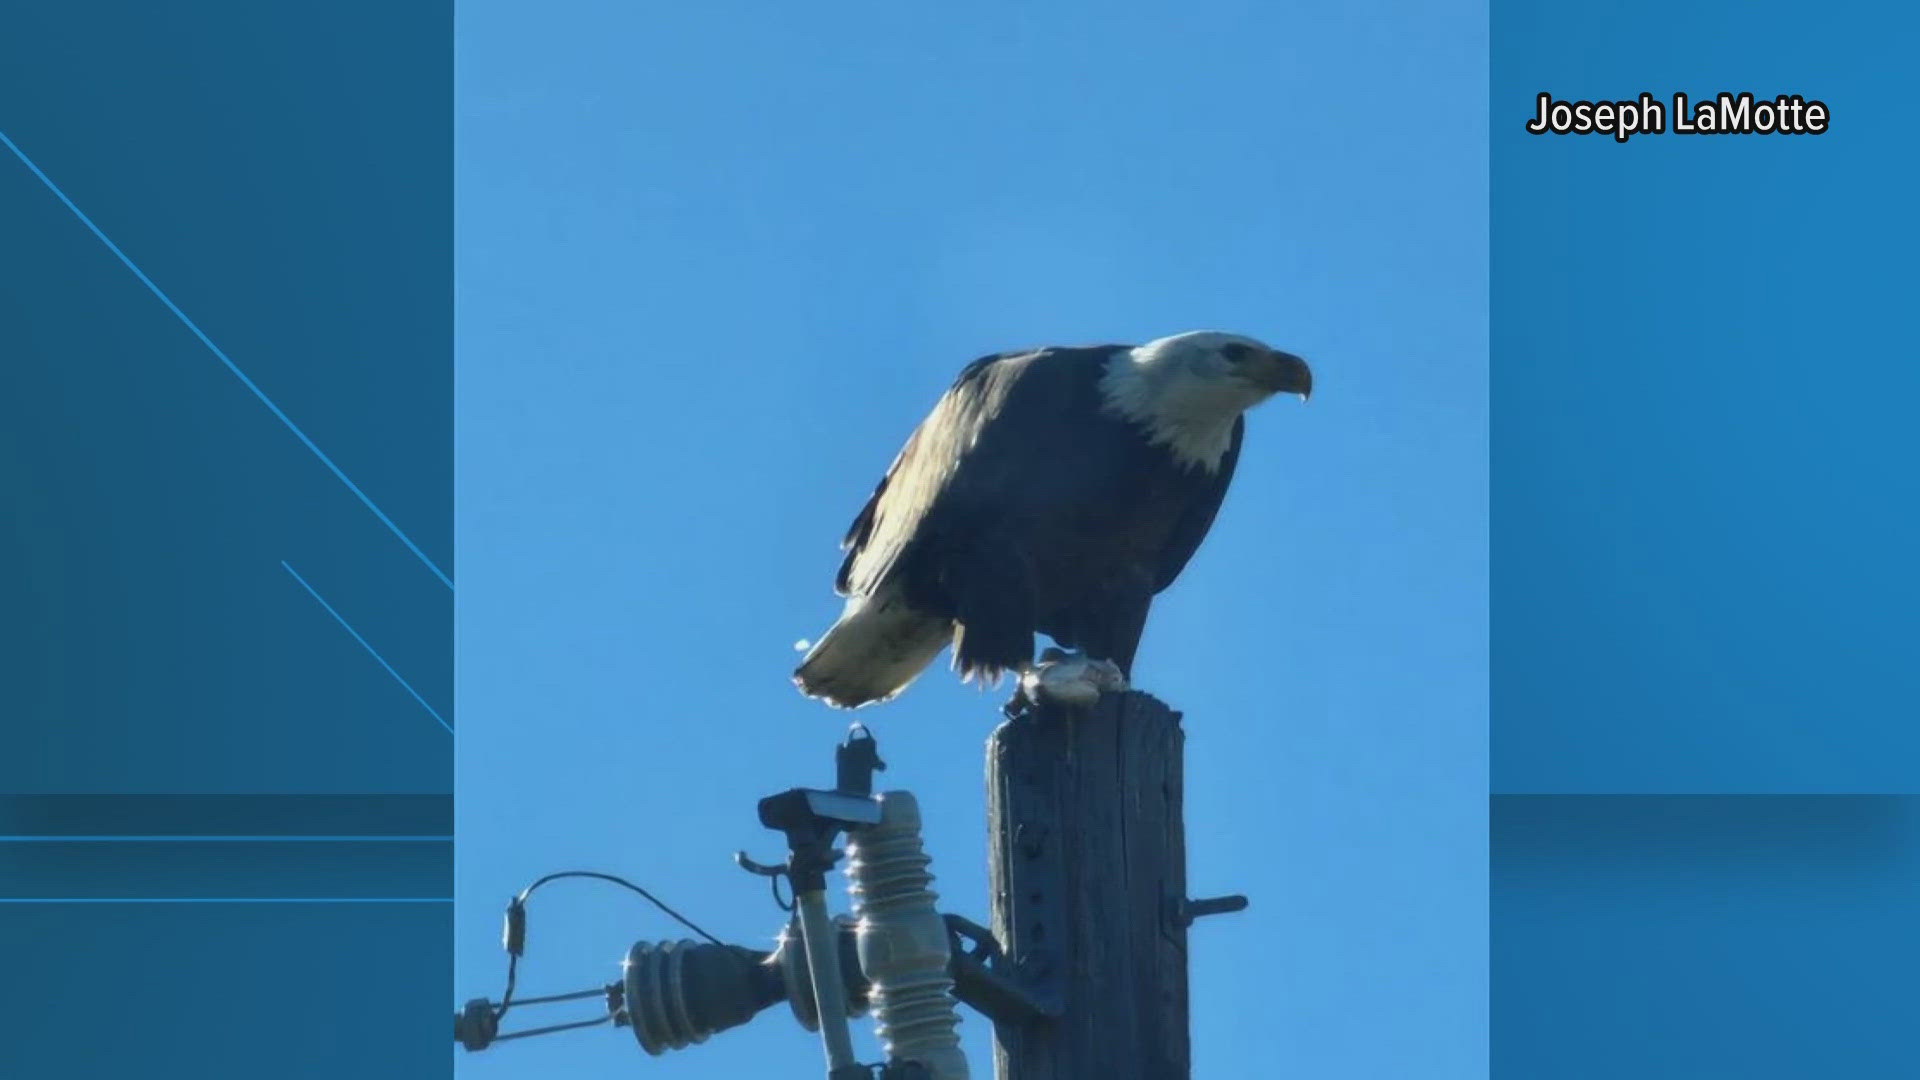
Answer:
(1088, 872)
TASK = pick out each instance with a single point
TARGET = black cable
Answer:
(515, 937)
(506, 999)
(624, 883)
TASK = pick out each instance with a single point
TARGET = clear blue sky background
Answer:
(716, 260)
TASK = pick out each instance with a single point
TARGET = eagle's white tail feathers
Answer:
(872, 652)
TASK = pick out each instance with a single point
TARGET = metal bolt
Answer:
(1218, 905)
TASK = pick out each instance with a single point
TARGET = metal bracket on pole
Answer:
(985, 981)
(1188, 910)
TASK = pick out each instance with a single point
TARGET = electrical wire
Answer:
(551, 1028)
(577, 995)
(624, 883)
(515, 937)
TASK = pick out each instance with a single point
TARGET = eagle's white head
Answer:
(1188, 389)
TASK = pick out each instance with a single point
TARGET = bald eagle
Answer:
(1053, 490)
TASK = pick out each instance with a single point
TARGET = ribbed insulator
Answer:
(903, 941)
(676, 993)
(656, 999)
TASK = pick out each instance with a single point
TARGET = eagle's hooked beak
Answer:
(1285, 373)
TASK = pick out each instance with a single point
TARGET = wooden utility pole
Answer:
(1089, 878)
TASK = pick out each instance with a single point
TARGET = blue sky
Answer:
(715, 261)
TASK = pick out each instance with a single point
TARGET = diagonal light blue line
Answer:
(226, 900)
(231, 366)
(371, 651)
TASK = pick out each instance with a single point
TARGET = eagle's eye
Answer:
(1236, 352)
